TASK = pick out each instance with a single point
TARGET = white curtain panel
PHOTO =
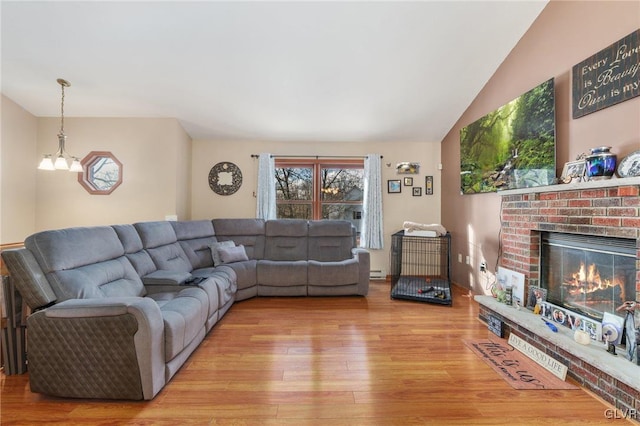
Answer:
(372, 232)
(266, 194)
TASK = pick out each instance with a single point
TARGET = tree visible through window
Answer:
(319, 189)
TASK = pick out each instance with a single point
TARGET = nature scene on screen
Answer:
(511, 147)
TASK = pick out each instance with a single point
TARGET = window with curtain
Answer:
(320, 189)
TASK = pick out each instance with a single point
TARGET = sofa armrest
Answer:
(28, 277)
(109, 348)
(364, 269)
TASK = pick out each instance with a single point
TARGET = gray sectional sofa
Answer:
(117, 310)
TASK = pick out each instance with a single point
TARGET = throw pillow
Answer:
(232, 254)
(214, 250)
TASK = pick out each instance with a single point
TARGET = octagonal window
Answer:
(101, 173)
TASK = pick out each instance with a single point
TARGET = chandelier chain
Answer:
(62, 111)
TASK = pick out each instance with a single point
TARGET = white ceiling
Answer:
(286, 71)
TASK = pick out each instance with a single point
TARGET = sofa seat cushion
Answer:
(213, 294)
(184, 314)
(331, 274)
(282, 273)
(226, 288)
(245, 273)
(223, 279)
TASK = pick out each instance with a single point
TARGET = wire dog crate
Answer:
(420, 268)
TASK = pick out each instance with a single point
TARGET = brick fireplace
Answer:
(606, 211)
(600, 208)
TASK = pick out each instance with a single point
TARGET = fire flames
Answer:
(587, 281)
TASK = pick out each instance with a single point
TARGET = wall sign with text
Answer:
(607, 78)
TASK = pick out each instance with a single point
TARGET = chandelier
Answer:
(61, 156)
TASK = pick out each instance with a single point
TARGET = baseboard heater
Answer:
(377, 274)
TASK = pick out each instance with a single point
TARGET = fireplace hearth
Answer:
(586, 274)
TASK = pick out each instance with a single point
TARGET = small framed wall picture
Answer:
(417, 191)
(394, 186)
(408, 181)
(428, 185)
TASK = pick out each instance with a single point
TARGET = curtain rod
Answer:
(314, 156)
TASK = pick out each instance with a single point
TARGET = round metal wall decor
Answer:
(225, 178)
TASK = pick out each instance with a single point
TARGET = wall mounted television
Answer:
(511, 147)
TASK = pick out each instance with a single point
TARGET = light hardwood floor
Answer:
(328, 361)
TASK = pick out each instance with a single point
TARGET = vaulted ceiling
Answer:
(285, 71)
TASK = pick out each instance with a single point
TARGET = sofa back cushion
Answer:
(286, 239)
(196, 237)
(160, 241)
(134, 250)
(86, 262)
(330, 240)
(192, 229)
(111, 278)
(248, 232)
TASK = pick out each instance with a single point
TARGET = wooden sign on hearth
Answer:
(550, 364)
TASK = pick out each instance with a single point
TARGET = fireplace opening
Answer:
(587, 274)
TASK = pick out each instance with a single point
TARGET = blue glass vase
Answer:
(601, 164)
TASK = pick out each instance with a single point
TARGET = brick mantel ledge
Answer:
(594, 184)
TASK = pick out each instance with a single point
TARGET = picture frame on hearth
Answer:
(573, 170)
(535, 297)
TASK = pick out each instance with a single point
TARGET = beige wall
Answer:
(17, 173)
(183, 172)
(155, 153)
(164, 173)
(397, 207)
(564, 34)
